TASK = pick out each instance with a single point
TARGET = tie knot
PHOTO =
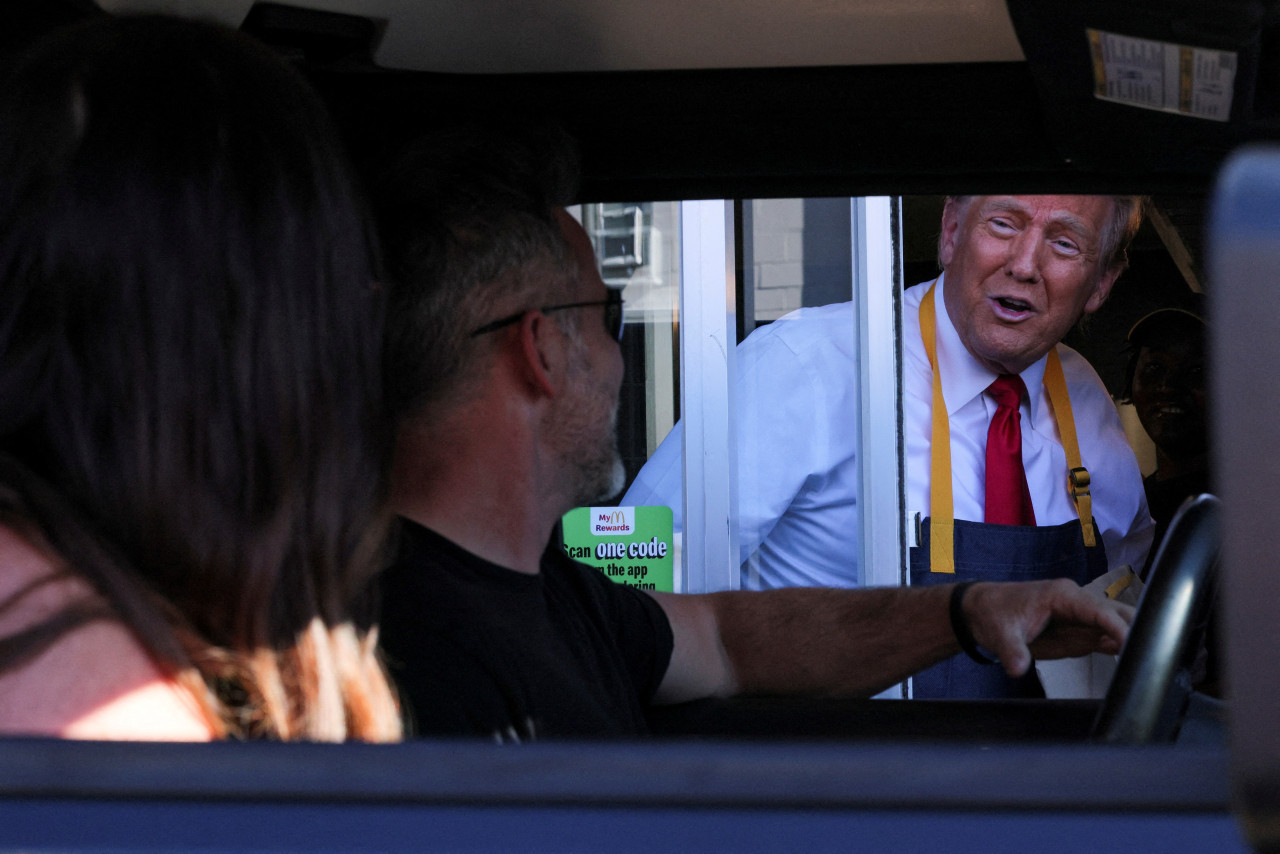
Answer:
(1007, 391)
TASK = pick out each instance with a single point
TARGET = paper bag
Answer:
(1088, 677)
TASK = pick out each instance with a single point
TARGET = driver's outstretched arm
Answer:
(826, 642)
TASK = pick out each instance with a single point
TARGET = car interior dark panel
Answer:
(1245, 252)
(796, 132)
(967, 721)
(617, 773)
(1097, 135)
(911, 129)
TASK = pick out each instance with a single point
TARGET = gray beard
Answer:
(601, 477)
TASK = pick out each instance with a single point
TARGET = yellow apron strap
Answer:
(1121, 584)
(941, 518)
(1077, 475)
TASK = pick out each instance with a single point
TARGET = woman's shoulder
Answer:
(33, 584)
(95, 680)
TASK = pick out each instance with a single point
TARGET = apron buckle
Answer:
(1079, 478)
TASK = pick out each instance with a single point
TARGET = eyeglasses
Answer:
(612, 314)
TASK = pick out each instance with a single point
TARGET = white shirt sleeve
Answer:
(796, 409)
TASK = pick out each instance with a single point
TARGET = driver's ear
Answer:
(540, 352)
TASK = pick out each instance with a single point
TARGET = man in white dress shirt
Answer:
(1020, 271)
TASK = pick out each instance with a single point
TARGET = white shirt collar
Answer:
(963, 377)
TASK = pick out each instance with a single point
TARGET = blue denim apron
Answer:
(1000, 553)
(950, 551)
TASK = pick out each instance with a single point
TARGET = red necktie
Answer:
(1008, 499)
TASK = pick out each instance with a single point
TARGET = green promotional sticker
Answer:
(630, 545)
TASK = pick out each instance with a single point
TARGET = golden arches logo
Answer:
(617, 517)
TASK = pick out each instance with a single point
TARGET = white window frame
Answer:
(708, 321)
(877, 281)
(707, 324)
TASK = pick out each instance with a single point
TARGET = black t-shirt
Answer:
(478, 649)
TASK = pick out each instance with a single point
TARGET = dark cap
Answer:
(1164, 321)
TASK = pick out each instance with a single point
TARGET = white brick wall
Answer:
(776, 271)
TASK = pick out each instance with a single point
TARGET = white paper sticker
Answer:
(1173, 78)
(1090, 676)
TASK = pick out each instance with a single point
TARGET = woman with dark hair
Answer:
(191, 430)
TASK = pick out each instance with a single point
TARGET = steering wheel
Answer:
(1151, 687)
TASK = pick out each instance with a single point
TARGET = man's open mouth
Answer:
(1014, 305)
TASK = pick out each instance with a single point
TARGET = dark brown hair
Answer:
(189, 365)
(467, 221)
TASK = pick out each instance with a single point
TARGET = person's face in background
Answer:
(1169, 393)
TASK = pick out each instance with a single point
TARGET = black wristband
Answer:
(960, 625)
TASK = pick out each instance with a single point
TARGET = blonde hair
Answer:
(1117, 232)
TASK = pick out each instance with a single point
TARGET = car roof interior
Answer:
(745, 99)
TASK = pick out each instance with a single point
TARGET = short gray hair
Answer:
(468, 226)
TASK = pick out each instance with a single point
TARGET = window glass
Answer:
(638, 250)
(792, 330)
(801, 294)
